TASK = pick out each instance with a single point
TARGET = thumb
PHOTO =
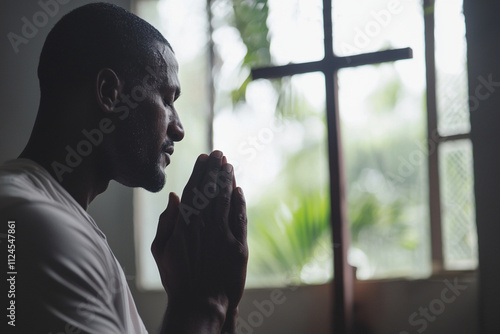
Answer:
(167, 221)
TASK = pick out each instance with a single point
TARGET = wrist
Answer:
(195, 316)
(230, 322)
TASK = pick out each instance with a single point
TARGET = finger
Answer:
(167, 222)
(208, 188)
(223, 200)
(196, 177)
(238, 216)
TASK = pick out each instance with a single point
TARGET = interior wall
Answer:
(444, 304)
(383, 306)
(483, 29)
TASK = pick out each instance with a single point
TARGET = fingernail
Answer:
(217, 154)
(228, 168)
(240, 191)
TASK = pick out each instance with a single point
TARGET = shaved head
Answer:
(96, 36)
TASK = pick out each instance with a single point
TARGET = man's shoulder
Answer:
(64, 268)
(30, 196)
(45, 231)
(20, 182)
(39, 214)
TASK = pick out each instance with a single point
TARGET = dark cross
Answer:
(343, 273)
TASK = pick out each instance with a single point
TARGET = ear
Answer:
(108, 87)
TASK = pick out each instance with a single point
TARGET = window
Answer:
(274, 132)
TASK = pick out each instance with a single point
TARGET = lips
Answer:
(169, 150)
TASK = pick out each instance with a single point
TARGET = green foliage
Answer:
(368, 211)
(290, 225)
(250, 17)
(285, 240)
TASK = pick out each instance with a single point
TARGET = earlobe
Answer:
(108, 87)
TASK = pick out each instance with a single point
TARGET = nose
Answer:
(175, 129)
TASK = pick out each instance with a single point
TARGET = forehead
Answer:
(168, 66)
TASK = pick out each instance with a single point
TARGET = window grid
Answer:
(435, 141)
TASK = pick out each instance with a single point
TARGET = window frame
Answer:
(434, 138)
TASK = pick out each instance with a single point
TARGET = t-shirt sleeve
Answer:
(65, 283)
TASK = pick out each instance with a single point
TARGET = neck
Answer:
(83, 177)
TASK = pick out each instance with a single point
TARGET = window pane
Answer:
(293, 29)
(296, 30)
(451, 68)
(383, 129)
(457, 202)
(188, 42)
(371, 25)
(274, 133)
(277, 143)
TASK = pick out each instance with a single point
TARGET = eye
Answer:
(170, 96)
(168, 101)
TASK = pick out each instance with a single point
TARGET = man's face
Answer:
(150, 126)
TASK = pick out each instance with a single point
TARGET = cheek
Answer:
(156, 131)
(161, 123)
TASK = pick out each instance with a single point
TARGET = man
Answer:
(108, 85)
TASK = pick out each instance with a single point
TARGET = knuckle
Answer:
(224, 179)
(241, 218)
(241, 252)
(238, 249)
(225, 201)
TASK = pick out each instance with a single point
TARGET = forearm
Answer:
(190, 319)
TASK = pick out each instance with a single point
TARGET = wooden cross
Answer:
(343, 274)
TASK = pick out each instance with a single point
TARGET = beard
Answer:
(139, 157)
(153, 176)
(141, 171)
(156, 181)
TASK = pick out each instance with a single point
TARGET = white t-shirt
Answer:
(68, 280)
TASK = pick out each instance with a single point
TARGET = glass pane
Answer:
(273, 131)
(451, 68)
(270, 31)
(457, 205)
(371, 25)
(296, 30)
(383, 129)
(188, 42)
(277, 142)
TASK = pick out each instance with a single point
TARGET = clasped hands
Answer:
(201, 250)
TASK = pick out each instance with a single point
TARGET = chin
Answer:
(155, 182)
(152, 179)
